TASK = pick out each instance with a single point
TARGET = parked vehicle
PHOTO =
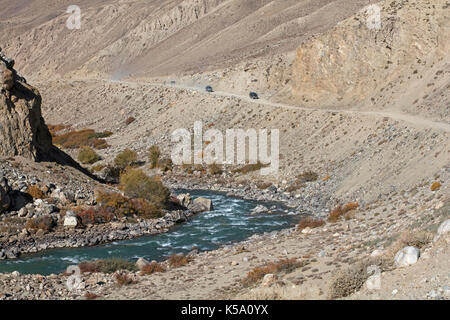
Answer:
(209, 89)
(253, 95)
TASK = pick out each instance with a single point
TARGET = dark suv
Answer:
(209, 89)
(253, 95)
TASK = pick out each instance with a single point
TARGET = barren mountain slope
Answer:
(404, 66)
(158, 37)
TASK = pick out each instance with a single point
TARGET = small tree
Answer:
(136, 184)
(153, 154)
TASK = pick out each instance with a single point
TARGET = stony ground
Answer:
(382, 145)
(323, 251)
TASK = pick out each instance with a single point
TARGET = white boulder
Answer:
(70, 219)
(269, 280)
(407, 256)
(444, 227)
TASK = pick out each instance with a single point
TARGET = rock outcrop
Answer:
(355, 61)
(22, 129)
(5, 199)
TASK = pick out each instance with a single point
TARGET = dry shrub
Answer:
(125, 158)
(263, 185)
(152, 267)
(124, 280)
(215, 169)
(35, 192)
(54, 128)
(107, 266)
(340, 211)
(349, 280)
(153, 156)
(250, 168)
(88, 267)
(282, 265)
(85, 137)
(136, 184)
(297, 185)
(310, 222)
(307, 176)
(45, 223)
(146, 209)
(190, 168)
(98, 168)
(435, 186)
(123, 206)
(87, 155)
(111, 199)
(96, 215)
(91, 296)
(178, 260)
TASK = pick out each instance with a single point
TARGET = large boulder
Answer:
(260, 209)
(71, 220)
(201, 205)
(407, 256)
(444, 227)
(22, 129)
(184, 199)
(141, 263)
(6, 77)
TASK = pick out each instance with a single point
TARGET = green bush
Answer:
(87, 155)
(136, 184)
(153, 155)
(125, 158)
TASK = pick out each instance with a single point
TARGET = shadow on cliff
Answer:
(23, 111)
(60, 157)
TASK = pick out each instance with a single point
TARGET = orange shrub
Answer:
(435, 186)
(124, 280)
(35, 192)
(339, 211)
(310, 222)
(82, 138)
(96, 215)
(282, 265)
(152, 267)
(178, 260)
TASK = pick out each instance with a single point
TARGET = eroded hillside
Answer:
(148, 38)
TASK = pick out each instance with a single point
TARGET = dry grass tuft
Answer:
(124, 280)
(282, 265)
(152, 267)
(340, 211)
(178, 260)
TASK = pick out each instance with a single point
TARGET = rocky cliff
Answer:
(22, 129)
(353, 62)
